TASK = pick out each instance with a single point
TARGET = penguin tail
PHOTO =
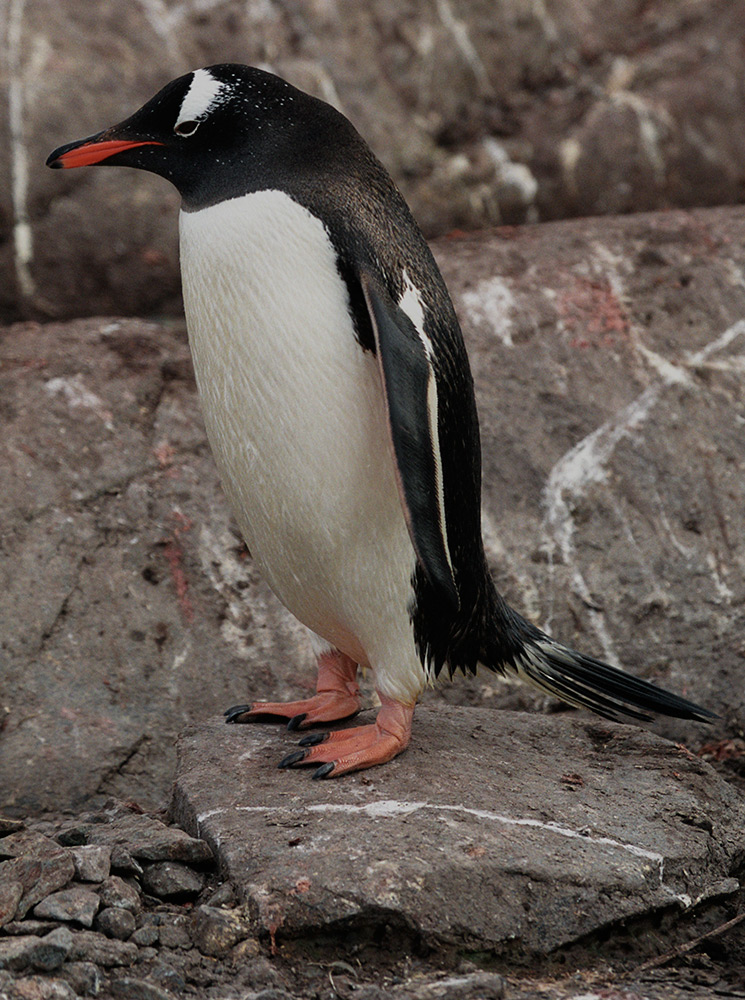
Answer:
(586, 682)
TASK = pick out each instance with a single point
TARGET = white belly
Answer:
(295, 416)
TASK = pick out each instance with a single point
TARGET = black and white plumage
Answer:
(339, 405)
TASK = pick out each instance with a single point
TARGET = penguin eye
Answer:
(186, 128)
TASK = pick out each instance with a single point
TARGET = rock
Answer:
(15, 953)
(174, 934)
(8, 825)
(28, 843)
(146, 936)
(472, 838)
(123, 863)
(92, 862)
(40, 988)
(609, 346)
(29, 926)
(83, 977)
(170, 880)
(10, 897)
(76, 904)
(116, 922)
(215, 931)
(114, 891)
(147, 839)
(39, 876)
(90, 946)
(52, 950)
(138, 989)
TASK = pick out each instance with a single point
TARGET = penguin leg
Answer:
(359, 747)
(337, 697)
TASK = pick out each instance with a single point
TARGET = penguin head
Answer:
(214, 133)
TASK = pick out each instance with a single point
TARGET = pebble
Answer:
(114, 891)
(215, 931)
(15, 952)
(76, 905)
(90, 946)
(39, 875)
(147, 839)
(173, 934)
(29, 926)
(145, 936)
(84, 977)
(39, 988)
(123, 862)
(52, 950)
(115, 922)
(171, 880)
(10, 897)
(138, 989)
(92, 862)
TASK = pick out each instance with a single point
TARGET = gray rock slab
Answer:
(92, 862)
(495, 830)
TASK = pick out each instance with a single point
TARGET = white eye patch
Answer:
(203, 95)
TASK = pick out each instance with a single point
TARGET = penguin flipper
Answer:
(410, 388)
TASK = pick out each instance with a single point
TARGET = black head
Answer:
(218, 132)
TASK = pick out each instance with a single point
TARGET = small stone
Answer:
(39, 875)
(245, 950)
(90, 946)
(123, 862)
(114, 891)
(75, 905)
(73, 836)
(15, 953)
(10, 897)
(84, 977)
(28, 842)
(52, 950)
(39, 988)
(147, 839)
(147, 954)
(138, 989)
(215, 931)
(145, 936)
(173, 934)
(29, 926)
(92, 862)
(484, 985)
(8, 825)
(167, 977)
(117, 923)
(170, 880)
(224, 895)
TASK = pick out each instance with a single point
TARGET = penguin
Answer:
(339, 405)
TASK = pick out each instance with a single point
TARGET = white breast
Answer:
(295, 416)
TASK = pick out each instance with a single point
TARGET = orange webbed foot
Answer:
(353, 749)
(337, 697)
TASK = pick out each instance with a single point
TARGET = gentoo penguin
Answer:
(339, 406)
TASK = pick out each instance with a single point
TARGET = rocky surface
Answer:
(497, 832)
(608, 363)
(484, 112)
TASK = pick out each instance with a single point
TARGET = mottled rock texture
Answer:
(608, 362)
(484, 111)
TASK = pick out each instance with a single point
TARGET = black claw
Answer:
(231, 714)
(292, 758)
(313, 739)
(296, 721)
(323, 770)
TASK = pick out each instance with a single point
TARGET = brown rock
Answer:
(114, 891)
(39, 877)
(10, 896)
(170, 880)
(90, 946)
(116, 922)
(147, 839)
(215, 931)
(76, 905)
(92, 862)
(40, 988)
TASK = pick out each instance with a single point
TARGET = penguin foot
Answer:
(337, 697)
(357, 748)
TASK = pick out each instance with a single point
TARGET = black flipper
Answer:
(410, 387)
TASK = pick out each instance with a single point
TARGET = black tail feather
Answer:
(589, 683)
